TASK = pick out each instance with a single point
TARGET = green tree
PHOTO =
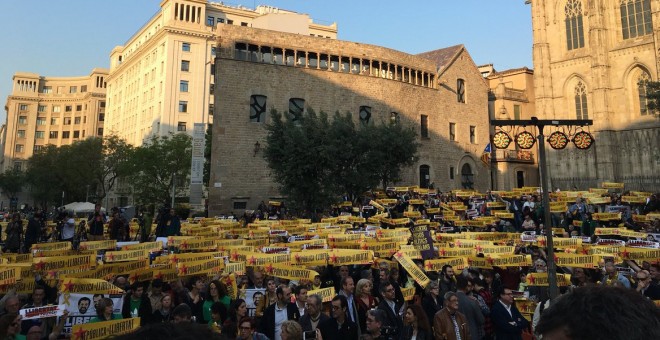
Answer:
(11, 182)
(317, 161)
(653, 96)
(44, 176)
(157, 164)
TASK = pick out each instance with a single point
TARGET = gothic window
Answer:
(636, 18)
(467, 177)
(460, 90)
(296, 108)
(574, 27)
(641, 90)
(257, 108)
(581, 109)
(365, 114)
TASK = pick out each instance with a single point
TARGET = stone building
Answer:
(51, 110)
(161, 79)
(440, 93)
(591, 59)
(511, 96)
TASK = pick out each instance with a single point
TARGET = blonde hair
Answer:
(360, 285)
(292, 329)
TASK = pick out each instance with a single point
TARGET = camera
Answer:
(309, 335)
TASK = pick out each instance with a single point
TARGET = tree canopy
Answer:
(318, 160)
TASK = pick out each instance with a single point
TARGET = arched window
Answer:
(467, 177)
(581, 109)
(641, 92)
(424, 176)
(574, 26)
(636, 18)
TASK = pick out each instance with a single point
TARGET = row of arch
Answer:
(336, 63)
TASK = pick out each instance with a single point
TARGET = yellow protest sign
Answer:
(634, 199)
(56, 263)
(505, 260)
(125, 255)
(494, 249)
(52, 246)
(91, 286)
(103, 330)
(496, 205)
(326, 294)
(18, 258)
(436, 264)
(576, 261)
(203, 267)
(599, 200)
(557, 207)
(541, 279)
(98, 245)
(412, 269)
(310, 257)
(141, 275)
(149, 246)
(237, 268)
(9, 275)
(462, 243)
(256, 259)
(612, 185)
(456, 252)
(559, 242)
(640, 254)
(408, 293)
(338, 257)
(503, 214)
(598, 191)
(166, 274)
(289, 272)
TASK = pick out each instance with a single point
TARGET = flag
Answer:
(485, 157)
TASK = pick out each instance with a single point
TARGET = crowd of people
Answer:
(457, 303)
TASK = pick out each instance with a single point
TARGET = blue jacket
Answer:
(501, 318)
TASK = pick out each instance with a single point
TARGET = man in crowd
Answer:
(447, 280)
(339, 326)
(612, 276)
(469, 307)
(301, 299)
(156, 294)
(507, 320)
(449, 323)
(390, 307)
(375, 323)
(347, 290)
(136, 304)
(313, 316)
(646, 287)
(277, 313)
(83, 305)
(95, 223)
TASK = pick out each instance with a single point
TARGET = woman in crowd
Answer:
(247, 330)
(164, 314)
(104, 311)
(237, 311)
(416, 324)
(291, 330)
(217, 293)
(432, 302)
(269, 298)
(193, 297)
(10, 326)
(364, 301)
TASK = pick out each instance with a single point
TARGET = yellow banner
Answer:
(507, 260)
(256, 259)
(408, 293)
(599, 200)
(456, 252)
(141, 275)
(560, 242)
(526, 306)
(458, 263)
(56, 263)
(235, 267)
(612, 185)
(9, 275)
(640, 254)
(495, 205)
(541, 279)
(149, 246)
(188, 257)
(471, 243)
(494, 249)
(166, 274)
(203, 267)
(412, 269)
(289, 272)
(125, 255)
(380, 249)
(18, 258)
(634, 199)
(310, 257)
(640, 218)
(338, 257)
(412, 253)
(52, 246)
(576, 261)
(326, 294)
(70, 252)
(98, 245)
(90, 286)
(598, 191)
(105, 329)
(606, 216)
(503, 214)
(557, 207)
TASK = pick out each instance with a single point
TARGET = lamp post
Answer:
(523, 138)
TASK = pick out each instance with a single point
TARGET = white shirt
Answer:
(69, 229)
(280, 316)
(508, 308)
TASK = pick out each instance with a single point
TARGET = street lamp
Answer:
(557, 140)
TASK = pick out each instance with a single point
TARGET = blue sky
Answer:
(71, 37)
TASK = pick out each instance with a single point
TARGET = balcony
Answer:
(508, 94)
(514, 156)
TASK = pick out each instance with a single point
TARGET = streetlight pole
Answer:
(173, 190)
(540, 125)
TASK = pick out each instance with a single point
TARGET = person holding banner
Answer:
(339, 326)
(104, 311)
(137, 304)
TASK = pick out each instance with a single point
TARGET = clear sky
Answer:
(71, 37)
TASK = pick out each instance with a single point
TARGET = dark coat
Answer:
(32, 233)
(144, 311)
(268, 320)
(501, 318)
(306, 322)
(330, 330)
(472, 312)
(407, 332)
(392, 320)
(431, 307)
